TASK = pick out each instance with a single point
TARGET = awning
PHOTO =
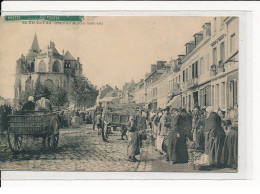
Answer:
(175, 102)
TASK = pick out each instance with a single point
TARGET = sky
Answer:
(121, 49)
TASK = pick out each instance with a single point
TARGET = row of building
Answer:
(206, 75)
(115, 95)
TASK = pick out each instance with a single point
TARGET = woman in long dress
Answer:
(133, 148)
(177, 148)
(229, 156)
(214, 140)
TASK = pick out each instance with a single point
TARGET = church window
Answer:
(56, 66)
(32, 67)
(42, 66)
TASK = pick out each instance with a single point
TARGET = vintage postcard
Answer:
(119, 93)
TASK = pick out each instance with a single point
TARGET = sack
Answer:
(203, 160)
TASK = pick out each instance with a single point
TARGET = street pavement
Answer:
(82, 149)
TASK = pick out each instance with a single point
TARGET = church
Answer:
(46, 66)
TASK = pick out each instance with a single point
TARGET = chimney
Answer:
(189, 47)
(78, 59)
(160, 64)
(206, 29)
(63, 52)
(180, 57)
(153, 68)
(198, 37)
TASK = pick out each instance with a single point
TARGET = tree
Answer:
(58, 95)
(39, 89)
(83, 92)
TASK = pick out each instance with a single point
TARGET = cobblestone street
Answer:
(81, 149)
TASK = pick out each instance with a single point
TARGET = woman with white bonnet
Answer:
(133, 148)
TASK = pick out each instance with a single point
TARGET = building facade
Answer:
(207, 75)
(128, 92)
(108, 94)
(139, 92)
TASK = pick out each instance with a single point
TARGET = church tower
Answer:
(34, 50)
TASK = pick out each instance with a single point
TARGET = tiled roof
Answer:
(54, 50)
(69, 57)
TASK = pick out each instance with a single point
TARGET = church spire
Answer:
(35, 46)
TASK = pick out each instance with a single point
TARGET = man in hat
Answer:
(164, 128)
(29, 105)
(98, 111)
(196, 128)
(106, 123)
(43, 104)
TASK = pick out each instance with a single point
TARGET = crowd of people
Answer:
(174, 131)
(210, 132)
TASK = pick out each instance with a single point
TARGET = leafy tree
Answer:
(40, 88)
(57, 95)
(83, 92)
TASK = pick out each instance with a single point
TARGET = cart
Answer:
(37, 124)
(115, 120)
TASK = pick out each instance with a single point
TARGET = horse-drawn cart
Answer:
(37, 124)
(116, 120)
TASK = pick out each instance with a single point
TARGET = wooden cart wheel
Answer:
(14, 141)
(53, 137)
